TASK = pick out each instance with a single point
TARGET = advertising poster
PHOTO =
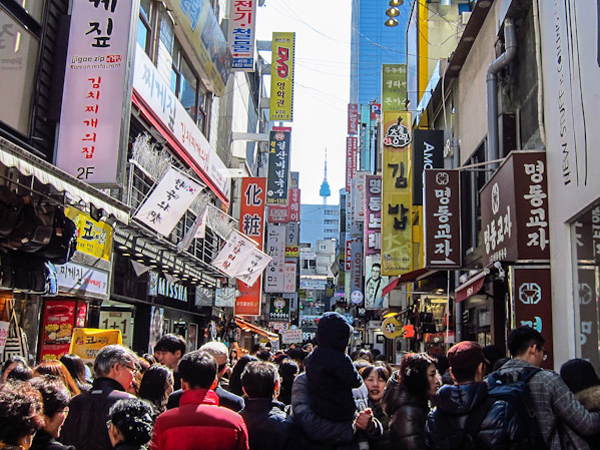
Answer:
(58, 321)
(396, 214)
(87, 342)
(374, 284)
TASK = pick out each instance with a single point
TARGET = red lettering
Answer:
(283, 57)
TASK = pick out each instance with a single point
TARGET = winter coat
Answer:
(199, 422)
(556, 408)
(44, 441)
(330, 373)
(590, 399)
(123, 446)
(500, 429)
(382, 442)
(85, 426)
(269, 426)
(408, 414)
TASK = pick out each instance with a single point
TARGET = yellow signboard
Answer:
(93, 238)
(282, 77)
(392, 327)
(87, 342)
(396, 210)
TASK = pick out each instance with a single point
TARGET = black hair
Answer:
(76, 368)
(20, 373)
(462, 374)
(578, 374)
(259, 379)
(442, 364)
(264, 355)
(14, 359)
(413, 373)
(521, 338)
(383, 372)
(155, 385)
(20, 412)
(235, 380)
(133, 418)
(149, 358)
(198, 369)
(170, 343)
(55, 395)
(498, 364)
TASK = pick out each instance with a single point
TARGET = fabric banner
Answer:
(234, 255)
(396, 221)
(274, 276)
(225, 297)
(167, 203)
(282, 77)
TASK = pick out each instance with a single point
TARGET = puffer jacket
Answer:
(500, 429)
(590, 399)
(408, 414)
(269, 426)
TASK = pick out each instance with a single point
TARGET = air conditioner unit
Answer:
(465, 16)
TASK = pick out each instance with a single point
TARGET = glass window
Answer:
(188, 89)
(18, 61)
(143, 34)
(35, 8)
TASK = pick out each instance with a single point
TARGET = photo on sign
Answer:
(374, 284)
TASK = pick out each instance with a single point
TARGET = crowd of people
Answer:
(321, 398)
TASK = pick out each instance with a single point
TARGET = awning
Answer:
(409, 277)
(28, 164)
(250, 327)
(474, 284)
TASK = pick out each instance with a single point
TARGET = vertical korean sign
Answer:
(442, 219)
(242, 18)
(396, 220)
(279, 166)
(351, 156)
(282, 77)
(274, 275)
(373, 215)
(393, 87)
(94, 94)
(252, 219)
(352, 118)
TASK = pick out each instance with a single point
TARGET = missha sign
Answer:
(158, 285)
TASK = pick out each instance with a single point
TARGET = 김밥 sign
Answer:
(442, 219)
(94, 91)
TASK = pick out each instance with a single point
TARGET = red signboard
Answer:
(252, 220)
(352, 118)
(289, 213)
(514, 210)
(59, 319)
(532, 302)
(351, 163)
(442, 219)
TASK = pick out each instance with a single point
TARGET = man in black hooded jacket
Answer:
(466, 403)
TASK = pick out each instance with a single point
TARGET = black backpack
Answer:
(463, 438)
(516, 392)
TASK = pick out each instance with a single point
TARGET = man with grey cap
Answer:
(465, 415)
(115, 367)
(220, 352)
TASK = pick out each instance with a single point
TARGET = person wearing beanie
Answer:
(130, 424)
(467, 402)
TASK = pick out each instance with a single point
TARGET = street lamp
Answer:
(396, 3)
(392, 13)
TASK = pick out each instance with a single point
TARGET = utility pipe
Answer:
(510, 43)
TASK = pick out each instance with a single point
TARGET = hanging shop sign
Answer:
(532, 303)
(393, 87)
(351, 160)
(392, 328)
(514, 210)
(275, 248)
(289, 213)
(442, 219)
(87, 342)
(225, 297)
(282, 77)
(279, 166)
(352, 118)
(200, 26)
(356, 266)
(279, 309)
(396, 215)
(241, 36)
(240, 258)
(193, 147)
(289, 277)
(252, 219)
(203, 296)
(93, 238)
(292, 336)
(359, 196)
(168, 202)
(373, 188)
(428, 153)
(94, 100)
(59, 319)
(73, 278)
(118, 320)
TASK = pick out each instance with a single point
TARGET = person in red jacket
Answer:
(199, 421)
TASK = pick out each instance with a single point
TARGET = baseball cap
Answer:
(217, 350)
(466, 355)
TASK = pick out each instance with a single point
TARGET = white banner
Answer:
(242, 19)
(93, 97)
(225, 297)
(234, 253)
(156, 92)
(168, 202)
(254, 266)
(291, 336)
(289, 278)
(274, 276)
